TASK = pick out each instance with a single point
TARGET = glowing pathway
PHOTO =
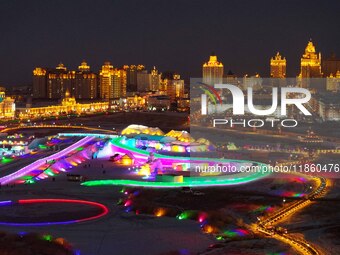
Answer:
(197, 182)
(35, 165)
(119, 145)
(266, 225)
(103, 211)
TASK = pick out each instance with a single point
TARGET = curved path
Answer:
(266, 225)
(240, 175)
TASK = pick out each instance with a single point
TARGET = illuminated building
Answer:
(112, 82)
(122, 76)
(310, 65)
(213, 71)
(333, 82)
(155, 80)
(330, 65)
(85, 83)
(59, 80)
(148, 81)
(163, 86)
(68, 105)
(278, 66)
(175, 87)
(131, 76)
(53, 83)
(7, 106)
(106, 80)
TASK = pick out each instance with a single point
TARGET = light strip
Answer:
(35, 165)
(104, 211)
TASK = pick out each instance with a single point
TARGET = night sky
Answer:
(174, 35)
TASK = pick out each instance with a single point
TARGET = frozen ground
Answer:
(116, 233)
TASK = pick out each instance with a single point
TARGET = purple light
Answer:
(4, 203)
(35, 165)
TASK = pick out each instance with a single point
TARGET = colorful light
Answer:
(35, 165)
(103, 208)
(160, 212)
(4, 203)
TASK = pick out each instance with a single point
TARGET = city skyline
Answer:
(31, 37)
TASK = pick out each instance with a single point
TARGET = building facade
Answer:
(131, 76)
(213, 71)
(156, 78)
(175, 87)
(59, 80)
(311, 62)
(112, 82)
(278, 66)
(85, 83)
(53, 83)
(68, 105)
(7, 106)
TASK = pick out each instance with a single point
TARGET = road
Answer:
(266, 225)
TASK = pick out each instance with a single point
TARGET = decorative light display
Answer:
(35, 165)
(103, 211)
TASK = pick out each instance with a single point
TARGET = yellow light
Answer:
(160, 212)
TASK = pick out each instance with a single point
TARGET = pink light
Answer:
(128, 203)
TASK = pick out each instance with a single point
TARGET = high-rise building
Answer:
(85, 83)
(39, 83)
(59, 80)
(54, 82)
(310, 63)
(112, 82)
(175, 87)
(212, 71)
(278, 66)
(131, 76)
(119, 83)
(155, 79)
(106, 81)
